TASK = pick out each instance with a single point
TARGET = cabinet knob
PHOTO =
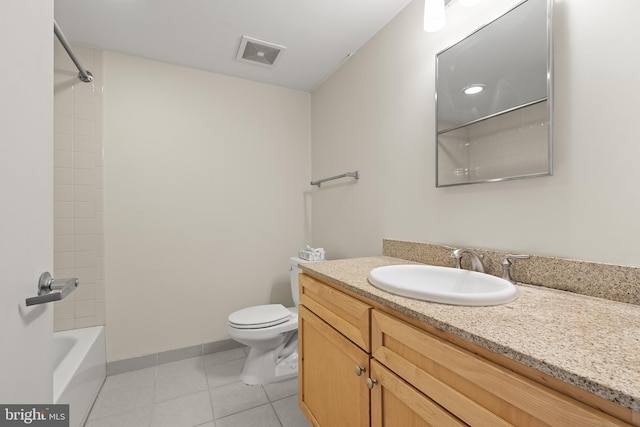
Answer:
(360, 370)
(371, 382)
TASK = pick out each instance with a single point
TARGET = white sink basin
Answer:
(443, 284)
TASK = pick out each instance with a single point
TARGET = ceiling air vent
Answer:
(259, 51)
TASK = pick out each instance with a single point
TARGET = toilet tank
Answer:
(294, 271)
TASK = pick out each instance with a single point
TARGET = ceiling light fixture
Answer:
(473, 89)
(434, 16)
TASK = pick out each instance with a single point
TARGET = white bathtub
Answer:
(80, 370)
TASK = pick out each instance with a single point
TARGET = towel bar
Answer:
(344, 175)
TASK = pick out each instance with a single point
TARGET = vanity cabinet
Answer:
(333, 351)
(411, 377)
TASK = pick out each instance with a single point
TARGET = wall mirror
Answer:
(494, 100)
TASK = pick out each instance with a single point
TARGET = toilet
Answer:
(271, 333)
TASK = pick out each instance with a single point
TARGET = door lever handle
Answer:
(50, 289)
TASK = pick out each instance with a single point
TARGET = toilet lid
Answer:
(259, 316)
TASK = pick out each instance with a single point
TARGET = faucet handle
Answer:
(506, 265)
(509, 257)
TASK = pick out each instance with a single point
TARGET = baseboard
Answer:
(150, 360)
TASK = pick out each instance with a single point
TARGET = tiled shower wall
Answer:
(78, 189)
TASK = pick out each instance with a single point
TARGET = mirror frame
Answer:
(548, 99)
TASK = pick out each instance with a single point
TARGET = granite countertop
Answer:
(589, 342)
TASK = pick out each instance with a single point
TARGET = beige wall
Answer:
(204, 183)
(376, 114)
(78, 241)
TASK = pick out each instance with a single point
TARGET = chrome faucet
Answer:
(476, 259)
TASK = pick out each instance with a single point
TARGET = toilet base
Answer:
(268, 366)
(261, 368)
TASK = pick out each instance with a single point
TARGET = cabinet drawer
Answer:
(479, 392)
(346, 314)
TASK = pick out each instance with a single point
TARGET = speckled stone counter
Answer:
(589, 342)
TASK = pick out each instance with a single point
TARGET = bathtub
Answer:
(79, 370)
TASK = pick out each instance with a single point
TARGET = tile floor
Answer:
(203, 391)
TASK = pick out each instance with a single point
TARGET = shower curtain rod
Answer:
(83, 74)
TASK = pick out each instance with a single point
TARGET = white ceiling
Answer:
(205, 34)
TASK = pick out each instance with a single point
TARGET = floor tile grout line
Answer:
(213, 411)
(88, 415)
(276, 412)
(247, 409)
(283, 398)
(182, 395)
(115, 414)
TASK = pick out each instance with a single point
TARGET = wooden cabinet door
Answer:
(331, 394)
(395, 403)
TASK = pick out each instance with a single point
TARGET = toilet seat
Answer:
(259, 316)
